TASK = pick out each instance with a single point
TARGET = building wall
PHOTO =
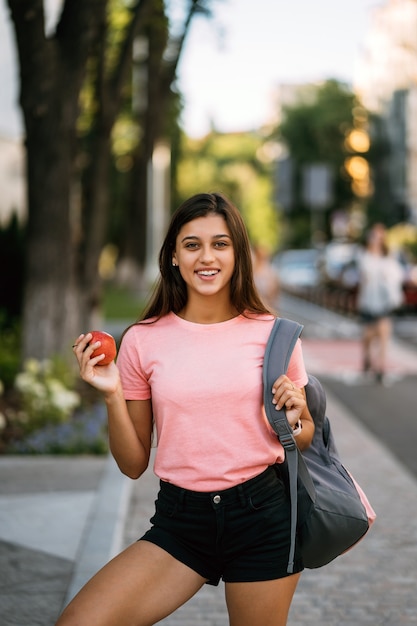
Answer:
(389, 59)
(412, 152)
(386, 82)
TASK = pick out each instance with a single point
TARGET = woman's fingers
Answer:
(286, 394)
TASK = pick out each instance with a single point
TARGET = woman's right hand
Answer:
(104, 378)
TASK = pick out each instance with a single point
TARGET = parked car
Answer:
(338, 263)
(298, 269)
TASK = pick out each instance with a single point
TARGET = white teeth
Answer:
(208, 272)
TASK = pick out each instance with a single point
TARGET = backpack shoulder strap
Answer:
(278, 352)
(281, 342)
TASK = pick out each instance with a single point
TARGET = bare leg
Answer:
(384, 328)
(368, 337)
(139, 587)
(264, 603)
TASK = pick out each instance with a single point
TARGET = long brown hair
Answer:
(170, 293)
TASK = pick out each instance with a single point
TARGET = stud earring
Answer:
(174, 264)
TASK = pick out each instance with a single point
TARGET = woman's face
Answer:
(205, 256)
(377, 236)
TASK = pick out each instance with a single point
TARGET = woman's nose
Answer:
(206, 254)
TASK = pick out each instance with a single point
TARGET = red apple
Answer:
(108, 346)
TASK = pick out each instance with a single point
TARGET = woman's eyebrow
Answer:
(194, 237)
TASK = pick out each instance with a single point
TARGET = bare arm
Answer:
(129, 423)
(130, 433)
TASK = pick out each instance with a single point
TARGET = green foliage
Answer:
(411, 248)
(45, 389)
(120, 303)
(314, 130)
(261, 218)
(39, 402)
(119, 17)
(43, 413)
(85, 433)
(102, 67)
(230, 163)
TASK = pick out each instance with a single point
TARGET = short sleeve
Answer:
(134, 380)
(296, 367)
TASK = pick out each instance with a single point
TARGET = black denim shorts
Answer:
(241, 534)
(371, 318)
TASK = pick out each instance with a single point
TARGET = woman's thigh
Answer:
(265, 603)
(139, 587)
(384, 328)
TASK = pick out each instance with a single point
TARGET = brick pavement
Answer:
(343, 358)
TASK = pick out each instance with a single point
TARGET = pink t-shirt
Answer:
(205, 382)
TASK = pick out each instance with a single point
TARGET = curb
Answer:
(103, 535)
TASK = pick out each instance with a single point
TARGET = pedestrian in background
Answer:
(380, 294)
(266, 277)
(193, 367)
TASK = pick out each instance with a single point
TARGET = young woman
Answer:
(380, 293)
(193, 367)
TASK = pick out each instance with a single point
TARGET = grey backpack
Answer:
(328, 513)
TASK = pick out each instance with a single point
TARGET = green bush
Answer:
(46, 393)
(84, 433)
(44, 409)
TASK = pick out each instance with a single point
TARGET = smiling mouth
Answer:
(207, 272)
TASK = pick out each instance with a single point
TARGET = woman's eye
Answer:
(191, 246)
(221, 244)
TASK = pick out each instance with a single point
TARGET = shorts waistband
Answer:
(223, 496)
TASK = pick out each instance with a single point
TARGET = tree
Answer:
(239, 165)
(111, 63)
(314, 130)
(158, 118)
(52, 71)
(67, 188)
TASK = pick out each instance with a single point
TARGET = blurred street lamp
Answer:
(358, 169)
(358, 141)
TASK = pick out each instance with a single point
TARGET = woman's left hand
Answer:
(286, 395)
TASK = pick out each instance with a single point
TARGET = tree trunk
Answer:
(51, 75)
(95, 188)
(95, 221)
(161, 74)
(50, 311)
(58, 296)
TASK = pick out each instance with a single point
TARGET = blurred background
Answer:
(113, 112)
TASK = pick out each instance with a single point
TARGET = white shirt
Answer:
(380, 283)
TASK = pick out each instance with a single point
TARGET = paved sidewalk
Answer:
(62, 518)
(342, 359)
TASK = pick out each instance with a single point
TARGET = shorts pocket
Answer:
(166, 505)
(268, 497)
